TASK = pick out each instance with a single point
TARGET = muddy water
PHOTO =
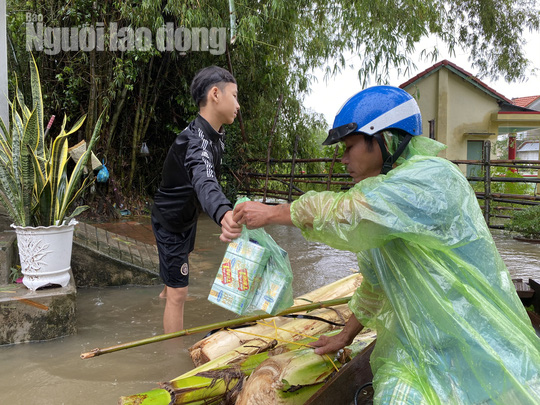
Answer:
(52, 372)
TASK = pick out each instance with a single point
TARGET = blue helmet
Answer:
(374, 110)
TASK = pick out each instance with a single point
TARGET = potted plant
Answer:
(37, 191)
(527, 224)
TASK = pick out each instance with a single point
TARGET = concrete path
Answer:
(119, 246)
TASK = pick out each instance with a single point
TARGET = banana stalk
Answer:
(222, 378)
(208, 383)
(153, 397)
(291, 331)
(226, 340)
(288, 374)
(293, 377)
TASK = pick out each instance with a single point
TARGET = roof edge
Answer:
(460, 72)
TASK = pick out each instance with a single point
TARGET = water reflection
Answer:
(52, 372)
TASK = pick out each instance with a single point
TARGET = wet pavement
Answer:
(130, 242)
(139, 229)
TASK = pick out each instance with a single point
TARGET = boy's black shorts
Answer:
(173, 250)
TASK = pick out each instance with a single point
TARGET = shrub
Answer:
(526, 222)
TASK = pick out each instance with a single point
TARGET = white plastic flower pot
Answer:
(45, 254)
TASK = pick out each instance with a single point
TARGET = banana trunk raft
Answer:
(265, 363)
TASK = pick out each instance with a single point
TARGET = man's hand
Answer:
(329, 344)
(230, 229)
(252, 214)
(256, 215)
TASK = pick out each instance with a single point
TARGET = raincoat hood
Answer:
(418, 146)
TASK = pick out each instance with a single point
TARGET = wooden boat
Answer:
(528, 292)
(343, 386)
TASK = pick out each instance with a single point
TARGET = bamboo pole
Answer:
(260, 191)
(218, 325)
(487, 180)
(232, 19)
(239, 116)
(498, 162)
(287, 184)
(331, 169)
(537, 188)
(507, 179)
(520, 202)
(337, 183)
(270, 139)
(512, 196)
(345, 175)
(289, 198)
(299, 160)
(299, 176)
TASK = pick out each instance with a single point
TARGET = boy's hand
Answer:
(229, 228)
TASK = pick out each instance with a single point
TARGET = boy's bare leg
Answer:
(163, 293)
(173, 317)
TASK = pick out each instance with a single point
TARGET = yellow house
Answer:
(462, 112)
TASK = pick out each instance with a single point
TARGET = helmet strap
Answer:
(388, 159)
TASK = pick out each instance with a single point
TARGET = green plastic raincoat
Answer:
(451, 328)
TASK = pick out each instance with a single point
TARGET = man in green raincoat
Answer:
(450, 326)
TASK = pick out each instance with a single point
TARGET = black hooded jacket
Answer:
(190, 179)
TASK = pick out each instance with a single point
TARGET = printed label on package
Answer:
(226, 272)
(243, 280)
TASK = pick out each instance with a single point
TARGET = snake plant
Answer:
(35, 186)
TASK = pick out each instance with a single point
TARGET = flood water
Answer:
(53, 373)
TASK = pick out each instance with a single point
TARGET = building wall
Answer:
(528, 151)
(527, 155)
(458, 108)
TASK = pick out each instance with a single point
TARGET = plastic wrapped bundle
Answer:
(255, 275)
(239, 275)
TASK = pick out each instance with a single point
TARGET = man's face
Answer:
(227, 103)
(361, 160)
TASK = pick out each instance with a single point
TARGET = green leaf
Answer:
(37, 100)
(77, 125)
(57, 167)
(45, 206)
(6, 135)
(80, 209)
(72, 190)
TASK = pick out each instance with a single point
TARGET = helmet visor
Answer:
(337, 134)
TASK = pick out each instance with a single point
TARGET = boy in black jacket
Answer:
(189, 183)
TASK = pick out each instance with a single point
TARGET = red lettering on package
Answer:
(226, 272)
(243, 281)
